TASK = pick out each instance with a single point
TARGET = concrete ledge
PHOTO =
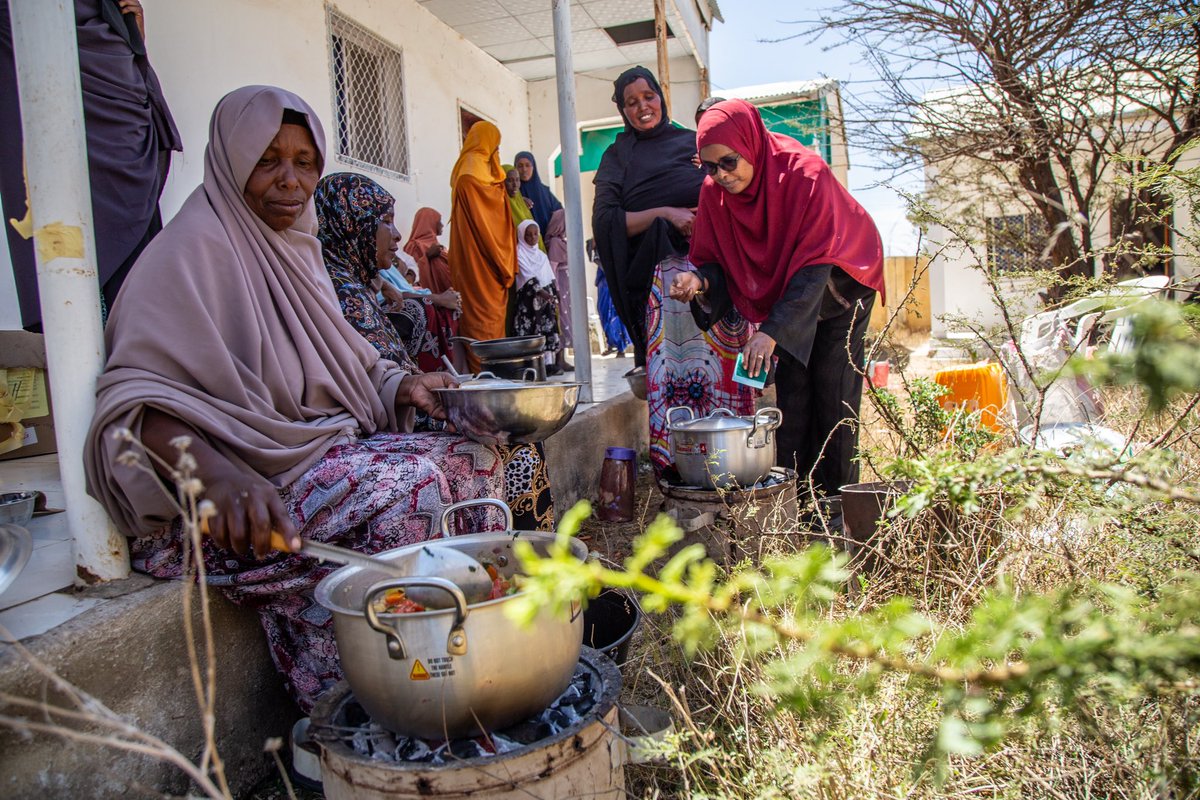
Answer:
(575, 454)
(129, 653)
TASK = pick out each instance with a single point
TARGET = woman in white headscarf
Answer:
(228, 336)
(537, 297)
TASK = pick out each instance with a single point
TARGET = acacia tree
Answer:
(1051, 99)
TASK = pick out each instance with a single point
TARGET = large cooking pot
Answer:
(448, 673)
(723, 450)
(509, 412)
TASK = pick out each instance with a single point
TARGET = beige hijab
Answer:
(235, 329)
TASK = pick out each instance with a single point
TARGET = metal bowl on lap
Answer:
(509, 412)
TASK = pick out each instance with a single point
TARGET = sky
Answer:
(740, 56)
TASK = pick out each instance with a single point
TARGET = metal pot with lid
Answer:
(446, 673)
(723, 450)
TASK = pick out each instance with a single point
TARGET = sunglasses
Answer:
(727, 163)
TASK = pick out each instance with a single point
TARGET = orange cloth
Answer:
(480, 156)
(483, 254)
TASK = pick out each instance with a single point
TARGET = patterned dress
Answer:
(348, 210)
(369, 495)
(686, 366)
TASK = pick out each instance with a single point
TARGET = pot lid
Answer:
(720, 420)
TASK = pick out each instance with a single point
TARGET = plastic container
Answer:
(617, 485)
(878, 374)
(977, 387)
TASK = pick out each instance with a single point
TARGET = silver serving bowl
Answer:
(510, 412)
(16, 507)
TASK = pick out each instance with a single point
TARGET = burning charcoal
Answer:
(465, 748)
(504, 745)
(413, 750)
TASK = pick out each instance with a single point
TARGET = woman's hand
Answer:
(248, 509)
(685, 286)
(247, 504)
(434, 250)
(681, 218)
(417, 391)
(448, 299)
(756, 352)
(528, 203)
(393, 298)
(135, 8)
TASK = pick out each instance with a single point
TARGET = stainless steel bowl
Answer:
(16, 507)
(510, 412)
(508, 347)
(449, 672)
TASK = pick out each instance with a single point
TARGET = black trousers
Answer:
(820, 402)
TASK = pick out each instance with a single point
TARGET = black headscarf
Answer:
(641, 170)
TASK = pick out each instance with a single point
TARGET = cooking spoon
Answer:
(431, 560)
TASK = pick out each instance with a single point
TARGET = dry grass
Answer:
(735, 740)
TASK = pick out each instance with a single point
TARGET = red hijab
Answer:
(793, 214)
(434, 272)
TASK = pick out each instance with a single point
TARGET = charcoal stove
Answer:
(569, 748)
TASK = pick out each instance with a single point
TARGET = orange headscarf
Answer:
(480, 156)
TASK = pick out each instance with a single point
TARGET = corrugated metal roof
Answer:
(781, 90)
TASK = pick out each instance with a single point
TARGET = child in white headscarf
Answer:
(537, 296)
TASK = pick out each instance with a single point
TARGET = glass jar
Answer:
(617, 485)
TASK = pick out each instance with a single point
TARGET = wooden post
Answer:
(705, 89)
(660, 40)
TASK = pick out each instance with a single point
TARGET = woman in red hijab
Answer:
(779, 238)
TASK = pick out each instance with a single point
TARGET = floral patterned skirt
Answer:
(370, 495)
(686, 366)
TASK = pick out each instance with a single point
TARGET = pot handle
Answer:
(456, 642)
(770, 419)
(721, 412)
(482, 501)
(671, 411)
(529, 374)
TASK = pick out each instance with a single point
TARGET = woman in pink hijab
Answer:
(228, 335)
(777, 236)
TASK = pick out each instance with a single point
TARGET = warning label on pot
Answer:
(419, 673)
(441, 667)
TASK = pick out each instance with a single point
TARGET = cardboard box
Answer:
(21, 349)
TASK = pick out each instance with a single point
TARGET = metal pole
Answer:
(568, 134)
(60, 201)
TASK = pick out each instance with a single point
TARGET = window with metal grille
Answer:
(1015, 242)
(368, 98)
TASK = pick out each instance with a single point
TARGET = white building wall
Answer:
(201, 51)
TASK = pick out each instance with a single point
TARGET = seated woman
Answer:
(354, 215)
(536, 312)
(228, 336)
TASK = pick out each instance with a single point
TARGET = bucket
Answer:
(878, 374)
(863, 505)
(609, 622)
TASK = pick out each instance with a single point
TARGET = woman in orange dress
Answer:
(483, 241)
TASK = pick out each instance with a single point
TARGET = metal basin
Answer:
(510, 412)
(508, 347)
(451, 672)
(722, 450)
